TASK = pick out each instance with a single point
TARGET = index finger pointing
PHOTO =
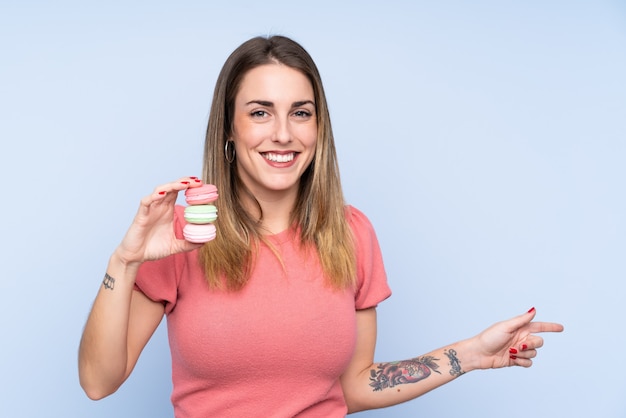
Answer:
(545, 327)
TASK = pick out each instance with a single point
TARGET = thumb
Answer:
(523, 319)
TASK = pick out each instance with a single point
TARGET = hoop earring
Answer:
(230, 155)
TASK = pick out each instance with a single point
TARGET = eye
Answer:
(302, 114)
(258, 114)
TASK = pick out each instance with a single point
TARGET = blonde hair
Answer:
(319, 212)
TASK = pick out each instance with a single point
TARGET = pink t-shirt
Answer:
(277, 347)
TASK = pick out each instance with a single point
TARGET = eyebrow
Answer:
(271, 104)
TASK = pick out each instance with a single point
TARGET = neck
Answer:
(276, 209)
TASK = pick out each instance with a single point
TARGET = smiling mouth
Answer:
(279, 158)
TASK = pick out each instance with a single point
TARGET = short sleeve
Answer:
(159, 279)
(372, 287)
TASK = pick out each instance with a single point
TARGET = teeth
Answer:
(279, 158)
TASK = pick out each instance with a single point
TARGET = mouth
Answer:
(279, 158)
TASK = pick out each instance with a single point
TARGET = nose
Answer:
(282, 131)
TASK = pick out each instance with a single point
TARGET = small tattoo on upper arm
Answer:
(395, 373)
(108, 282)
(455, 364)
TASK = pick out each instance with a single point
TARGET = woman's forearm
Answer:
(103, 352)
(390, 383)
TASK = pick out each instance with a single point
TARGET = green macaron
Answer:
(200, 214)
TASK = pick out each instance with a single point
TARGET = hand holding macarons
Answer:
(151, 235)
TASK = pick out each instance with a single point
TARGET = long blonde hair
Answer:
(319, 212)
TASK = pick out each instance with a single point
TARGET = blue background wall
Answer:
(485, 140)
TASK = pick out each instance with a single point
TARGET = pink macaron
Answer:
(207, 193)
(199, 234)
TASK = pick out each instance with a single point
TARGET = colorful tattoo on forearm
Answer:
(108, 282)
(395, 373)
(455, 364)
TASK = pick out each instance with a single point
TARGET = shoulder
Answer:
(362, 229)
(372, 287)
(357, 220)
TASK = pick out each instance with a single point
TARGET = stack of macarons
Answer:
(200, 214)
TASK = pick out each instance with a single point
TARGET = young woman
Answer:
(277, 315)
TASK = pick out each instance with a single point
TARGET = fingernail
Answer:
(531, 309)
(513, 350)
(185, 182)
(524, 347)
(193, 177)
(161, 193)
(198, 181)
(513, 357)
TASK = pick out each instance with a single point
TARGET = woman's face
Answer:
(275, 130)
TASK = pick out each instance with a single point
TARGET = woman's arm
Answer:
(369, 385)
(120, 324)
(122, 320)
